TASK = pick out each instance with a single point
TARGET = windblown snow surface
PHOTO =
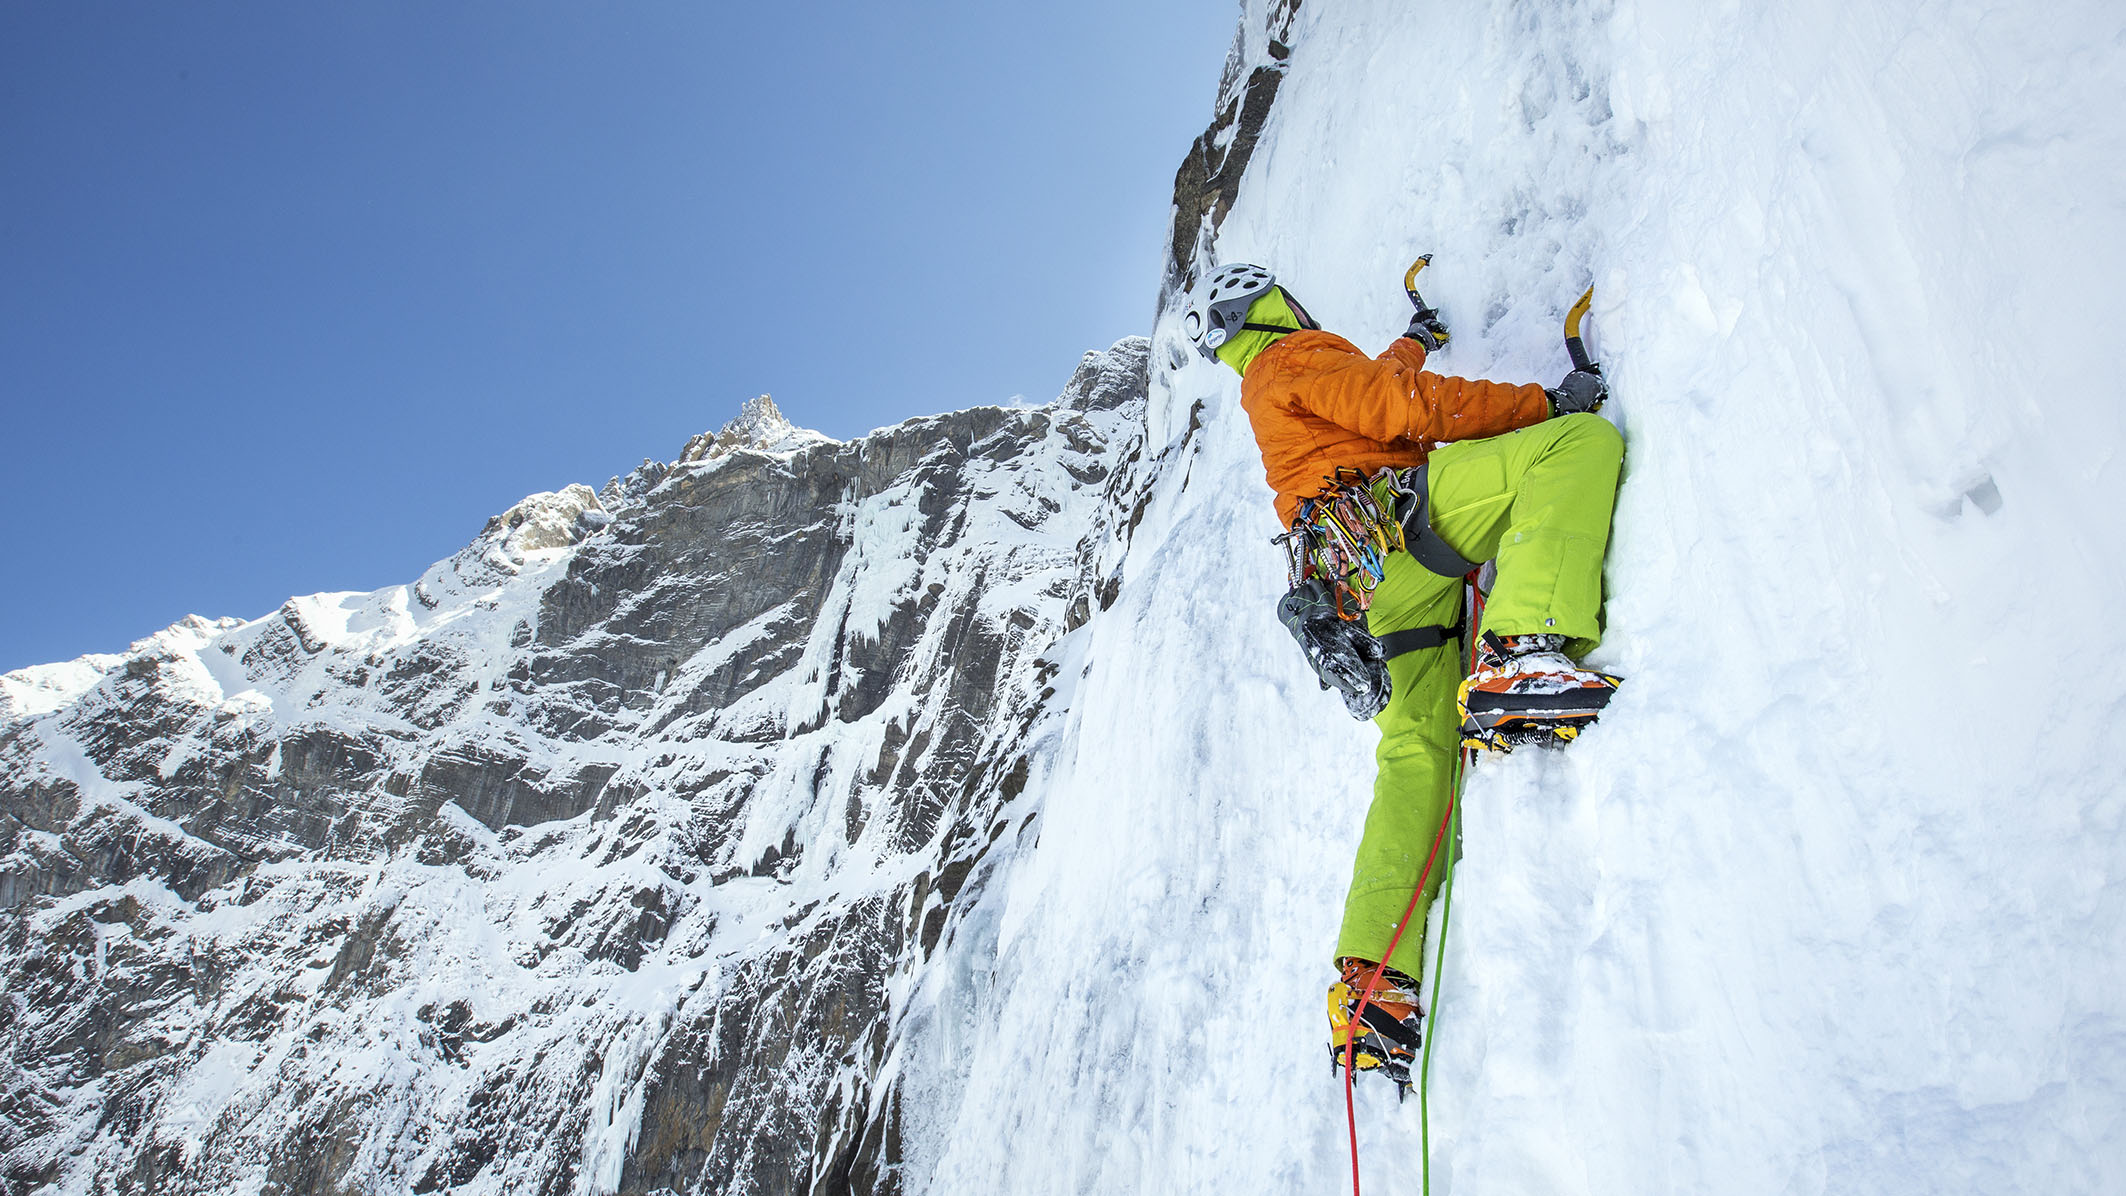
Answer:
(1831, 901)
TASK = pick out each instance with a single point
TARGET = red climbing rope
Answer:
(1476, 600)
(1373, 982)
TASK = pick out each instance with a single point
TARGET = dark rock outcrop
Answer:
(1208, 180)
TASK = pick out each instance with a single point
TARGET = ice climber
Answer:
(1394, 481)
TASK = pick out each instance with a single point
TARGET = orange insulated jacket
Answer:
(1316, 402)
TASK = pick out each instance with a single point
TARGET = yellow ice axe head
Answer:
(1410, 278)
(1573, 345)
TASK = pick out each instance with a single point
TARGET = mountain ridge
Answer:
(630, 726)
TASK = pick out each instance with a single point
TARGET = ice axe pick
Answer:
(1573, 344)
(1426, 326)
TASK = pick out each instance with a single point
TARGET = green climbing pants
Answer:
(1538, 500)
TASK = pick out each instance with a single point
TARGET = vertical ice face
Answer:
(1829, 900)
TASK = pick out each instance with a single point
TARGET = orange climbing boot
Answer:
(1387, 1034)
(1526, 690)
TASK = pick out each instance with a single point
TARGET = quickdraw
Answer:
(1343, 536)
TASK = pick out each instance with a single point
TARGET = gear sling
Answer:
(1342, 537)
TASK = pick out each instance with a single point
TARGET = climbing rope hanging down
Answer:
(1462, 761)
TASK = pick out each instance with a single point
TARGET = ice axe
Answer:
(1573, 344)
(1426, 328)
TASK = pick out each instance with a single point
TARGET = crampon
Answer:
(1525, 690)
(1388, 1030)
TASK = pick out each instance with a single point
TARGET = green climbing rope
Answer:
(1463, 758)
(1439, 977)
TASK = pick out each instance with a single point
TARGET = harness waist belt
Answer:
(1421, 542)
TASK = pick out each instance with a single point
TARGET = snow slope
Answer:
(1832, 900)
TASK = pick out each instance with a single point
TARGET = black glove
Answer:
(1582, 390)
(1344, 656)
(1427, 329)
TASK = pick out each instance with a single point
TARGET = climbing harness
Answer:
(1336, 555)
(1419, 538)
(1417, 639)
(1344, 534)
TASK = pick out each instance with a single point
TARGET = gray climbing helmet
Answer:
(1221, 304)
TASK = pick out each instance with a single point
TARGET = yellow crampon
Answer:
(1506, 732)
(1503, 742)
(1387, 1036)
(1342, 997)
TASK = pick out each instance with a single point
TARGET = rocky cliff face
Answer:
(1208, 180)
(593, 860)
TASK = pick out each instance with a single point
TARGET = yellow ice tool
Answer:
(1573, 345)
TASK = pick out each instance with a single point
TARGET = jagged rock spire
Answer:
(760, 425)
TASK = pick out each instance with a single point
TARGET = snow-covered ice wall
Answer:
(1832, 899)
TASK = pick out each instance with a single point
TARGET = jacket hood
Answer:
(1273, 308)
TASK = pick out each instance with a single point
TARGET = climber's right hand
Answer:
(1582, 390)
(1427, 329)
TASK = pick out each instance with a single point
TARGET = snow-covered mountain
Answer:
(945, 810)
(593, 860)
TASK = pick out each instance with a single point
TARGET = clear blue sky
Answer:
(294, 296)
